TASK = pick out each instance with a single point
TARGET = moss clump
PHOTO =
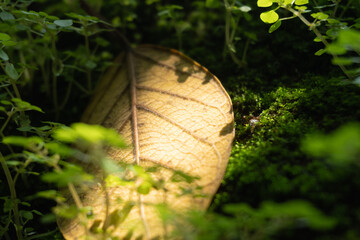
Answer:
(269, 163)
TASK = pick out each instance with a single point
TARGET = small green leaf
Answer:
(25, 106)
(13, 163)
(90, 64)
(9, 43)
(6, 16)
(333, 21)
(22, 141)
(11, 71)
(95, 227)
(63, 23)
(320, 52)
(349, 38)
(82, 18)
(179, 176)
(37, 212)
(44, 14)
(60, 149)
(26, 214)
(264, 3)
(7, 207)
(269, 17)
(232, 47)
(4, 37)
(320, 16)
(301, 2)
(144, 187)
(102, 42)
(301, 8)
(287, 2)
(345, 60)
(65, 134)
(70, 174)
(275, 26)
(335, 49)
(115, 181)
(118, 216)
(5, 102)
(212, 3)
(317, 39)
(67, 211)
(3, 55)
(50, 194)
(38, 158)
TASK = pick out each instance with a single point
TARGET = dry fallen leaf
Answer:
(176, 115)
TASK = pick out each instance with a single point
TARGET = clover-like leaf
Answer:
(320, 16)
(269, 16)
(264, 3)
(301, 2)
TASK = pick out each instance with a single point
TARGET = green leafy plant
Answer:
(336, 28)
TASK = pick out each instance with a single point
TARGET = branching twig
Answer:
(117, 34)
(13, 197)
(318, 34)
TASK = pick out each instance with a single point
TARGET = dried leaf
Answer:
(177, 116)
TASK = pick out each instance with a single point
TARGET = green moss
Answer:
(267, 161)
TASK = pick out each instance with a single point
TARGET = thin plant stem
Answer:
(16, 90)
(87, 46)
(54, 76)
(27, 162)
(15, 207)
(227, 34)
(246, 47)
(107, 205)
(115, 32)
(67, 96)
(345, 9)
(41, 235)
(77, 200)
(318, 34)
(6, 122)
(13, 84)
(336, 8)
(81, 87)
(45, 77)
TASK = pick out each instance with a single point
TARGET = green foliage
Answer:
(89, 134)
(343, 38)
(269, 161)
(245, 222)
(340, 147)
(69, 174)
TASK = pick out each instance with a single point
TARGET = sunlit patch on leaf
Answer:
(269, 17)
(264, 3)
(301, 2)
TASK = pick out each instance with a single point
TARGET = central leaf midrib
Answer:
(136, 145)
